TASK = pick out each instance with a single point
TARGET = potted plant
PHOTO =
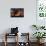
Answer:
(39, 35)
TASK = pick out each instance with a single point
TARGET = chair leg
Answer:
(5, 43)
(17, 39)
(5, 40)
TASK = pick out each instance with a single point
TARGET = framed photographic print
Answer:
(17, 12)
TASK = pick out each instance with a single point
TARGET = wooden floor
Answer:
(13, 44)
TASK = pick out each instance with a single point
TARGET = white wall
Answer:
(24, 24)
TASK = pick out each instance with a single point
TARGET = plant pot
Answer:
(38, 40)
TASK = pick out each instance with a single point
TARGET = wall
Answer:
(24, 24)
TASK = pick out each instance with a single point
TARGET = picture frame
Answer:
(17, 12)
